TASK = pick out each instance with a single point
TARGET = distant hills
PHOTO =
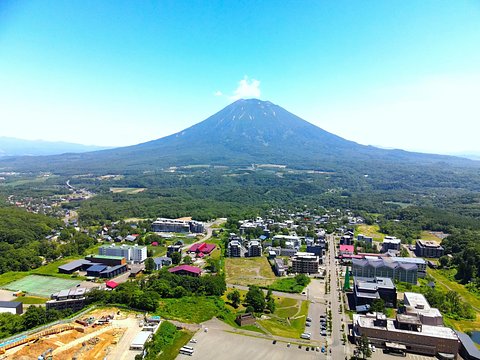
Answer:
(19, 147)
(243, 133)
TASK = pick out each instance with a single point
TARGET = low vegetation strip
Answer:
(287, 321)
(191, 309)
(291, 285)
(166, 343)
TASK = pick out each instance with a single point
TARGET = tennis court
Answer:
(41, 285)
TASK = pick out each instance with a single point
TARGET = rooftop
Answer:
(440, 332)
(430, 244)
(106, 257)
(10, 304)
(72, 265)
(188, 268)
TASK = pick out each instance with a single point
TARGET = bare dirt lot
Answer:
(111, 341)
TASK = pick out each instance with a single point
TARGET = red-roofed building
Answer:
(111, 284)
(346, 250)
(186, 270)
(203, 248)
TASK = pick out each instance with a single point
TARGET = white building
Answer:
(134, 254)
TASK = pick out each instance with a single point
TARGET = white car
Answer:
(193, 341)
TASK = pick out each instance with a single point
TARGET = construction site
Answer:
(100, 334)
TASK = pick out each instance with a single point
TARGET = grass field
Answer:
(249, 271)
(170, 352)
(129, 191)
(42, 286)
(288, 285)
(426, 235)
(190, 309)
(288, 319)
(31, 300)
(443, 282)
(370, 230)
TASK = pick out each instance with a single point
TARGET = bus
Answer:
(185, 351)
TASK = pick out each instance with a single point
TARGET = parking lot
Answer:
(220, 344)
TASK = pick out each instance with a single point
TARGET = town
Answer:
(298, 285)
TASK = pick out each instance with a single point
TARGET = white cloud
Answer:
(247, 89)
(218, 93)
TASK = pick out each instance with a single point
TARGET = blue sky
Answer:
(400, 74)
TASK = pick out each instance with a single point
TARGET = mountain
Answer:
(19, 147)
(245, 132)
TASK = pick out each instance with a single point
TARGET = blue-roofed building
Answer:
(75, 265)
(95, 270)
(468, 349)
(113, 271)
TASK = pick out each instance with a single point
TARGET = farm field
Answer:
(129, 191)
(249, 271)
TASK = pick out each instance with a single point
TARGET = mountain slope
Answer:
(19, 147)
(245, 132)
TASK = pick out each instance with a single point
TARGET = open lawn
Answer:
(249, 271)
(370, 230)
(42, 286)
(288, 319)
(288, 285)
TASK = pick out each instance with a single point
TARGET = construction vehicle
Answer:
(47, 355)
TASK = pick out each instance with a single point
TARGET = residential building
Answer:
(139, 254)
(12, 307)
(428, 249)
(161, 262)
(317, 249)
(346, 250)
(366, 290)
(305, 263)
(366, 239)
(416, 304)
(279, 267)
(254, 248)
(113, 250)
(371, 267)
(391, 242)
(67, 299)
(287, 252)
(346, 240)
(235, 249)
(406, 333)
(202, 248)
(177, 226)
(172, 249)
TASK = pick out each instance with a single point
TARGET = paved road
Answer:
(209, 234)
(338, 350)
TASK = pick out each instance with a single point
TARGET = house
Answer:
(245, 319)
(161, 262)
(131, 238)
(173, 249)
(346, 250)
(185, 270)
(12, 307)
(202, 248)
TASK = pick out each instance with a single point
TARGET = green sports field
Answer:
(43, 286)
